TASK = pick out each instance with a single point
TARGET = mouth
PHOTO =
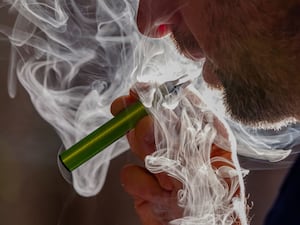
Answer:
(189, 49)
(186, 43)
(188, 46)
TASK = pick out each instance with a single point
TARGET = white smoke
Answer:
(75, 57)
(271, 145)
(185, 130)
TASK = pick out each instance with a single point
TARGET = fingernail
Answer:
(130, 135)
(133, 93)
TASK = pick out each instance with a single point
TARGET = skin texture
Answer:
(252, 52)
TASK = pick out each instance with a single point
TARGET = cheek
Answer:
(220, 26)
(205, 20)
(195, 19)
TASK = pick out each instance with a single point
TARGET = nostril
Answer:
(163, 30)
(154, 21)
(155, 31)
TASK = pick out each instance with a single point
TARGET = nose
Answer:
(155, 18)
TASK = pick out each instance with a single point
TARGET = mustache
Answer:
(186, 43)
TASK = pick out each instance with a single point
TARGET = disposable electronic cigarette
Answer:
(103, 136)
(111, 131)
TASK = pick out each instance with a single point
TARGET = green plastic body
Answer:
(102, 137)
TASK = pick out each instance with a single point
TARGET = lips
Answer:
(195, 53)
(190, 48)
(186, 43)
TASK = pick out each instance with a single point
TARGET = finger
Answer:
(141, 139)
(152, 213)
(168, 183)
(121, 103)
(140, 183)
(220, 158)
(145, 213)
(151, 200)
(222, 154)
(220, 128)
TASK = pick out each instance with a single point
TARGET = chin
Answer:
(275, 123)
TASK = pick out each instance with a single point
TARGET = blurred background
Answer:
(32, 191)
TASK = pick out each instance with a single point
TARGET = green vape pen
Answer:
(111, 131)
(103, 136)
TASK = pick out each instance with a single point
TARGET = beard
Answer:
(257, 67)
(256, 100)
(253, 96)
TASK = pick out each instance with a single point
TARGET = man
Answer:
(252, 52)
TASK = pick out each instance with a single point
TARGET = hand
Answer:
(155, 195)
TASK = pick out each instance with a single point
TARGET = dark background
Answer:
(32, 191)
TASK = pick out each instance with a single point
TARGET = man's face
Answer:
(252, 50)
